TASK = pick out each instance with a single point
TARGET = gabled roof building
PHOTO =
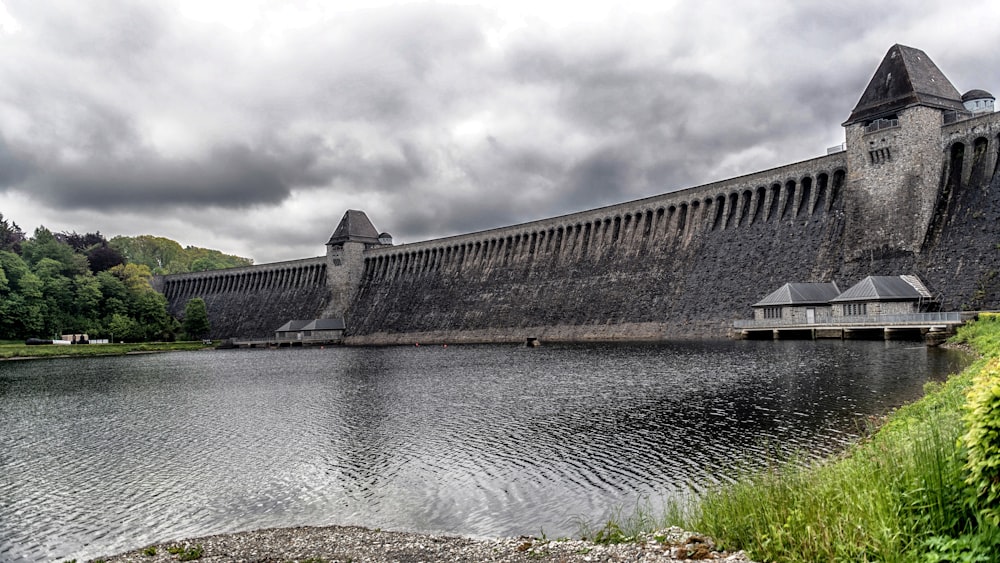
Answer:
(883, 295)
(311, 330)
(801, 302)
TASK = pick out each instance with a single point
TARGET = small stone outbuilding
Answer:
(311, 330)
(883, 295)
(797, 303)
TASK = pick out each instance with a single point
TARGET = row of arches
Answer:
(246, 281)
(629, 232)
(978, 169)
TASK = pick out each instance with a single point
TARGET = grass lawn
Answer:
(17, 350)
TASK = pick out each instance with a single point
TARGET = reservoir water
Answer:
(103, 455)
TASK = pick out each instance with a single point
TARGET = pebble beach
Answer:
(339, 544)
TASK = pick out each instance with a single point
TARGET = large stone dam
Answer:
(248, 301)
(916, 190)
(680, 264)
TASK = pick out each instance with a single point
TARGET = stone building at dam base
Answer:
(915, 190)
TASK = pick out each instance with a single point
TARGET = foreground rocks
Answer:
(352, 544)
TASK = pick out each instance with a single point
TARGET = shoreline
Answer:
(20, 352)
(354, 543)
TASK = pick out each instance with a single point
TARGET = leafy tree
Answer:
(103, 257)
(150, 311)
(80, 243)
(165, 256)
(195, 324)
(69, 282)
(100, 255)
(22, 311)
(123, 328)
(11, 236)
(203, 259)
(135, 276)
(153, 252)
(115, 296)
(88, 297)
(45, 245)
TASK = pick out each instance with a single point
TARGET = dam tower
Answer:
(345, 259)
(893, 139)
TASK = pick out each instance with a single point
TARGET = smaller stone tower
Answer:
(345, 260)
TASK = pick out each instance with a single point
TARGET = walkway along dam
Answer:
(914, 190)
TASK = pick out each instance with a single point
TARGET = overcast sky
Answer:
(250, 126)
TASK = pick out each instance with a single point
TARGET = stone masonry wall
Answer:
(893, 176)
(678, 265)
(253, 301)
(689, 263)
(682, 264)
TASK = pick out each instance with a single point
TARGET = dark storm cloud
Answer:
(231, 177)
(437, 119)
(14, 168)
(234, 177)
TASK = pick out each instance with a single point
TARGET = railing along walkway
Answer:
(857, 321)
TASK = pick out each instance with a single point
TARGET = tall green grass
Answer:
(899, 495)
(881, 501)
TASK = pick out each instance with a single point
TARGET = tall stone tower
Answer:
(895, 158)
(345, 261)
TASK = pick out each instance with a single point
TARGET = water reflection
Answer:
(101, 455)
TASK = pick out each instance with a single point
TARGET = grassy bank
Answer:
(20, 350)
(901, 495)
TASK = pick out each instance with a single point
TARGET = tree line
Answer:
(66, 283)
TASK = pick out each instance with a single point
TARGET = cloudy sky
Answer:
(250, 126)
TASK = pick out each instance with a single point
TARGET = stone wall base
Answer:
(545, 334)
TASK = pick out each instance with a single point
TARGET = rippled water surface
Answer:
(102, 455)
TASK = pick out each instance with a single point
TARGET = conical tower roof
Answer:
(907, 77)
(354, 227)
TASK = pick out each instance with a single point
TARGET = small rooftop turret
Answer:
(978, 101)
(385, 239)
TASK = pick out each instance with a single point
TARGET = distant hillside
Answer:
(165, 256)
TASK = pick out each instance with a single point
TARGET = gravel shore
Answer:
(337, 544)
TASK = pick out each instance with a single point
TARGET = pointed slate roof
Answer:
(907, 77)
(801, 294)
(880, 288)
(354, 227)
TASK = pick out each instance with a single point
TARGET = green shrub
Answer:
(978, 547)
(982, 440)
(191, 553)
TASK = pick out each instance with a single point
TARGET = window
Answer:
(855, 309)
(878, 156)
(772, 312)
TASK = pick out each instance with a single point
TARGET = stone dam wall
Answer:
(682, 264)
(686, 264)
(678, 265)
(253, 301)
